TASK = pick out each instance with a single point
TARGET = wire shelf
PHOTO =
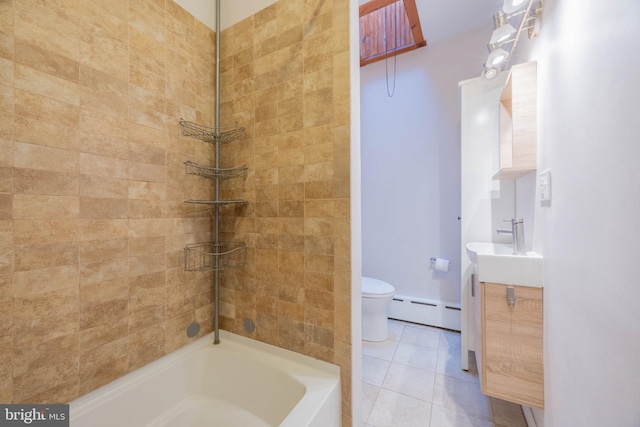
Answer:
(211, 172)
(214, 256)
(216, 202)
(224, 134)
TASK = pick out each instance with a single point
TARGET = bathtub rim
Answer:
(320, 379)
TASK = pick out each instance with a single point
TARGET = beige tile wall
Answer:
(92, 190)
(285, 78)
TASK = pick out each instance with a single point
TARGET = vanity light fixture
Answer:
(505, 35)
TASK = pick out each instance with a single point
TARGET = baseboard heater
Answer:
(426, 312)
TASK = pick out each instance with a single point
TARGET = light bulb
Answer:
(497, 57)
(511, 6)
(502, 34)
(490, 72)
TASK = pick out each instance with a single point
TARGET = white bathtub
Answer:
(237, 383)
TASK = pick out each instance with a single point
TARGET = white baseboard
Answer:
(426, 312)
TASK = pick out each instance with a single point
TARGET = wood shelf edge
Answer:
(512, 173)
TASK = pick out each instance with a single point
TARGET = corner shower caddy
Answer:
(215, 255)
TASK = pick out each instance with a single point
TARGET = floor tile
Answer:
(450, 341)
(443, 417)
(464, 396)
(382, 350)
(417, 356)
(397, 410)
(410, 381)
(374, 370)
(395, 329)
(369, 396)
(451, 366)
(423, 336)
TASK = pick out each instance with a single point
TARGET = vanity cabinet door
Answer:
(512, 355)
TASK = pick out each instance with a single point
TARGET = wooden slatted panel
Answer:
(388, 29)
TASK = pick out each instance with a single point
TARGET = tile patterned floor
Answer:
(414, 379)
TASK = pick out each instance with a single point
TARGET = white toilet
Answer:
(376, 297)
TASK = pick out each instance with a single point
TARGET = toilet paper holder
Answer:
(439, 264)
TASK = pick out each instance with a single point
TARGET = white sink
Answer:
(496, 263)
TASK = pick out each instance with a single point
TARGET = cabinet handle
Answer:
(511, 296)
(473, 285)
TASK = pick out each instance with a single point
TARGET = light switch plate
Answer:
(545, 185)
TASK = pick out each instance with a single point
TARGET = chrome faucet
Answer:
(517, 235)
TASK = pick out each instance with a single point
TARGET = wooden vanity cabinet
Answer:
(511, 364)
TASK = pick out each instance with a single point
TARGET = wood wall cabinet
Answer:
(511, 363)
(518, 123)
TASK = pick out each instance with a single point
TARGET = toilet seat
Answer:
(374, 288)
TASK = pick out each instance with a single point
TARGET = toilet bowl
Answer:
(376, 297)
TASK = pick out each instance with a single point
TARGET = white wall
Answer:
(231, 11)
(411, 165)
(589, 136)
(203, 10)
(234, 11)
